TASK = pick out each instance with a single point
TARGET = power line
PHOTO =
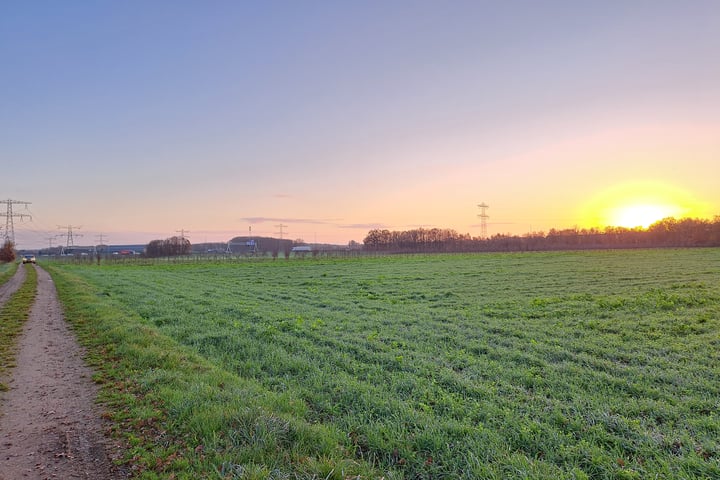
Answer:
(9, 215)
(35, 231)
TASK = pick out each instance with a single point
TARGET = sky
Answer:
(132, 121)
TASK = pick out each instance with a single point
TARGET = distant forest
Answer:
(669, 232)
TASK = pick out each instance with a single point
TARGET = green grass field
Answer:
(563, 365)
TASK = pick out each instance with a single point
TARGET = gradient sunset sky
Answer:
(137, 119)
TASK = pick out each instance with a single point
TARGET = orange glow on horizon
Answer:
(642, 215)
(639, 204)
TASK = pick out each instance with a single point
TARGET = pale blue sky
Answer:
(140, 118)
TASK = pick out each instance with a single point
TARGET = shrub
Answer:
(7, 252)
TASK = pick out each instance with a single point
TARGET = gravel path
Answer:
(50, 426)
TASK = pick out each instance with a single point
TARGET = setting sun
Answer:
(640, 215)
(639, 204)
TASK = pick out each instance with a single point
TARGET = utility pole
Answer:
(69, 235)
(251, 241)
(50, 244)
(9, 215)
(281, 226)
(483, 219)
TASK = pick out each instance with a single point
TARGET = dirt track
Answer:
(50, 426)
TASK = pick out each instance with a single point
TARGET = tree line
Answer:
(169, 247)
(669, 232)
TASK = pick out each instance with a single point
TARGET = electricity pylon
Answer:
(9, 215)
(483, 219)
(70, 236)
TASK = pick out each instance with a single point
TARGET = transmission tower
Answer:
(99, 242)
(483, 219)
(70, 236)
(182, 233)
(281, 226)
(9, 215)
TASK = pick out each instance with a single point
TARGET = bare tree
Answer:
(7, 252)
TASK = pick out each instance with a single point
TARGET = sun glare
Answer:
(632, 216)
(639, 204)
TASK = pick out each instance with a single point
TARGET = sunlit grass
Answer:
(566, 365)
(183, 416)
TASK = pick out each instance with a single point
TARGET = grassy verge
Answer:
(7, 270)
(184, 417)
(12, 317)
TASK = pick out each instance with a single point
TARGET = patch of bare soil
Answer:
(50, 426)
